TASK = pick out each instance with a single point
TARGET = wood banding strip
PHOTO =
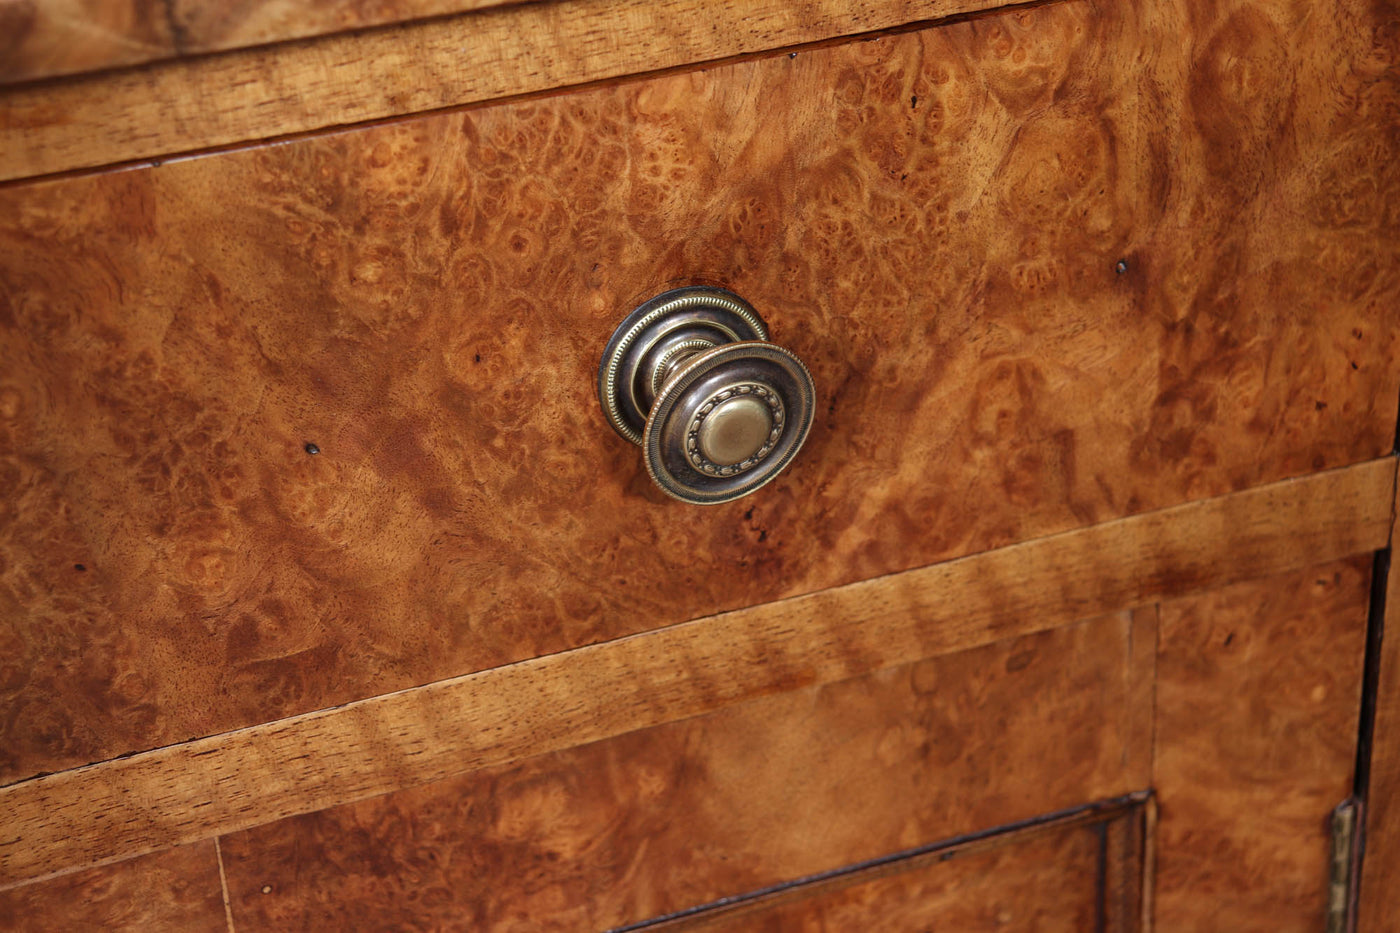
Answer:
(151, 801)
(62, 37)
(187, 105)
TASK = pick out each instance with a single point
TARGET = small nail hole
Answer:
(1121, 267)
(312, 449)
(79, 567)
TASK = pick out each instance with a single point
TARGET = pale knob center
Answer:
(736, 430)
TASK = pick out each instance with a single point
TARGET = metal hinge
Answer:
(1346, 851)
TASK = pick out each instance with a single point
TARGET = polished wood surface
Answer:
(40, 38)
(762, 792)
(176, 891)
(1271, 143)
(304, 424)
(184, 105)
(426, 303)
(45, 38)
(218, 784)
(1274, 132)
(1043, 878)
(1258, 700)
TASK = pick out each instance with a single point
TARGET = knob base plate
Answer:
(652, 343)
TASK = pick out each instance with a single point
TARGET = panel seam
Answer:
(223, 885)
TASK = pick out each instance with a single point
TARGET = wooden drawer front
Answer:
(933, 221)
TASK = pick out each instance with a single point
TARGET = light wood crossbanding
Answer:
(185, 105)
(1258, 690)
(62, 37)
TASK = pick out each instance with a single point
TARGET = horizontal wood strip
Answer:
(115, 809)
(61, 37)
(187, 105)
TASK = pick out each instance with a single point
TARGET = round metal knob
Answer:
(717, 410)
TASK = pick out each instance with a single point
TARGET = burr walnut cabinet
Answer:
(330, 601)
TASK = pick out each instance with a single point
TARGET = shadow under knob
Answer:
(717, 410)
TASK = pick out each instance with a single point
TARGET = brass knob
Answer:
(718, 410)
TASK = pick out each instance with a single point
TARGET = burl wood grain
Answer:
(678, 815)
(1271, 135)
(1043, 884)
(218, 784)
(1076, 872)
(1258, 699)
(931, 221)
(176, 891)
